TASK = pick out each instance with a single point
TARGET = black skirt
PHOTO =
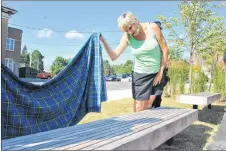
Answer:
(142, 85)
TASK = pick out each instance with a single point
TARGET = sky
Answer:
(47, 25)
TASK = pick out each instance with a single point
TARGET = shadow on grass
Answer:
(196, 136)
(212, 116)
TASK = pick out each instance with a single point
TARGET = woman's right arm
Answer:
(118, 51)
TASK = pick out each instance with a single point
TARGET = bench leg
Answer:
(209, 106)
(195, 106)
(170, 141)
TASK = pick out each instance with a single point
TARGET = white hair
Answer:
(125, 19)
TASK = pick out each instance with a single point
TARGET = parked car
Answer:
(126, 77)
(129, 78)
(111, 78)
(44, 75)
(119, 77)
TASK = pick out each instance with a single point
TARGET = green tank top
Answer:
(147, 54)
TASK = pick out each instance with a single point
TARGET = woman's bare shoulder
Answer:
(154, 26)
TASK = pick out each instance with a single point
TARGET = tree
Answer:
(128, 63)
(58, 64)
(25, 48)
(125, 68)
(178, 73)
(25, 56)
(175, 54)
(37, 60)
(107, 68)
(196, 18)
(214, 45)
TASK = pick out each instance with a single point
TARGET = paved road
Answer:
(111, 85)
(115, 90)
(118, 85)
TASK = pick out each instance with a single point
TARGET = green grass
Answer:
(195, 137)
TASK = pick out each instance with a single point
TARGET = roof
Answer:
(8, 10)
(15, 28)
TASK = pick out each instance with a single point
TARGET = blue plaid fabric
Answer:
(62, 101)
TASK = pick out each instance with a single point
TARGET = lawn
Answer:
(195, 137)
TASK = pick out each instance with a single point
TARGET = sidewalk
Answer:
(220, 137)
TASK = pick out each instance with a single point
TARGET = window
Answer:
(9, 63)
(10, 44)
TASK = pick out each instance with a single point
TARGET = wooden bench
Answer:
(203, 98)
(144, 130)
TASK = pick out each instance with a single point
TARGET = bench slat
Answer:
(100, 133)
(121, 134)
(78, 129)
(82, 135)
(153, 137)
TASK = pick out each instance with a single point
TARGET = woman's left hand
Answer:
(157, 79)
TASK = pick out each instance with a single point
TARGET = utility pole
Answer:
(30, 57)
(38, 64)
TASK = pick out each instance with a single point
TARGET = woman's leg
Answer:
(149, 103)
(144, 104)
(139, 105)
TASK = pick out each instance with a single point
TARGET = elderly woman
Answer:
(150, 53)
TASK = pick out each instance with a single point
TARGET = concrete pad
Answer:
(220, 137)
